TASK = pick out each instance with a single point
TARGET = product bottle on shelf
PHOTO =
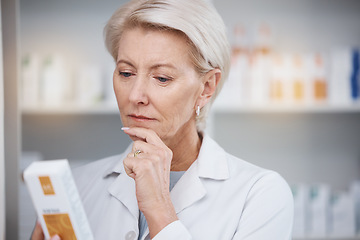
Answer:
(340, 75)
(261, 65)
(298, 88)
(355, 75)
(343, 215)
(89, 85)
(276, 82)
(319, 210)
(54, 85)
(301, 205)
(319, 79)
(235, 92)
(30, 75)
(355, 193)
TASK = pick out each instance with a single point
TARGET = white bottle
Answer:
(301, 202)
(319, 210)
(30, 77)
(54, 81)
(89, 85)
(343, 215)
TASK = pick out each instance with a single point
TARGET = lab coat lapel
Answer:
(210, 164)
(123, 187)
(188, 190)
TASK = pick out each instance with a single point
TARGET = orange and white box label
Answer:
(57, 201)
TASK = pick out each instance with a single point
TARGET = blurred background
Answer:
(291, 102)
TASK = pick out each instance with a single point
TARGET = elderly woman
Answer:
(174, 181)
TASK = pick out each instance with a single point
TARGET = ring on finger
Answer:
(137, 152)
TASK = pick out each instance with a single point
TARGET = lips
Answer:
(140, 117)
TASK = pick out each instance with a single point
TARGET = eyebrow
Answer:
(160, 65)
(124, 61)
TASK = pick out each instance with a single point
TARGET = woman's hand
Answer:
(38, 233)
(151, 171)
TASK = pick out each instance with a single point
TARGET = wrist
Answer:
(158, 217)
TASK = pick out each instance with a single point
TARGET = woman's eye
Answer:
(126, 74)
(162, 79)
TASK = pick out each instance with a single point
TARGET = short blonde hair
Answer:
(197, 20)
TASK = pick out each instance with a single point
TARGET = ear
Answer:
(210, 81)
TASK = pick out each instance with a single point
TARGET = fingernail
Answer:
(125, 128)
(56, 237)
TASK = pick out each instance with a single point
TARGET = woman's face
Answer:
(155, 83)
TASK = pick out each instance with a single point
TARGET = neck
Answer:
(185, 148)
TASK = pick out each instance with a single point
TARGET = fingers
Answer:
(144, 163)
(38, 233)
(56, 237)
(154, 159)
(147, 135)
(145, 147)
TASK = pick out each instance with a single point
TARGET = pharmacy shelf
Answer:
(274, 108)
(71, 109)
(102, 108)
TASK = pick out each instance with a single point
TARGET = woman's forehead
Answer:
(161, 47)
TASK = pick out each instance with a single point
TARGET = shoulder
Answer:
(261, 196)
(239, 168)
(268, 201)
(258, 179)
(254, 182)
(240, 175)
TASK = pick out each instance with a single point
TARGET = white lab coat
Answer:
(219, 197)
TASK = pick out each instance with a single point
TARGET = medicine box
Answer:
(56, 200)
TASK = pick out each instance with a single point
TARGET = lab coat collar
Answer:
(212, 161)
(119, 166)
(123, 187)
(210, 164)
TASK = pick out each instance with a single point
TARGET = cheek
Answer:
(118, 92)
(115, 87)
(182, 106)
(121, 100)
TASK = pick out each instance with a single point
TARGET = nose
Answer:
(139, 91)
